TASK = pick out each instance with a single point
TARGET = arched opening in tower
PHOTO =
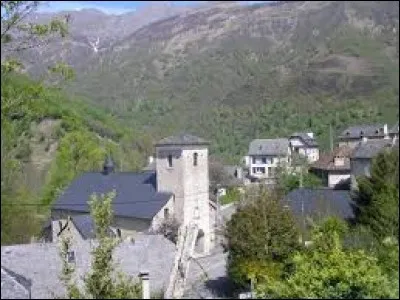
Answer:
(199, 245)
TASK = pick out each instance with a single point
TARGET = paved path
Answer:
(216, 285)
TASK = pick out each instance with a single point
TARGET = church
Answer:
(177, 189)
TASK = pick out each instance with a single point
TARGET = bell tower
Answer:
(182, 169)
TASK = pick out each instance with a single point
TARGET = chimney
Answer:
(385, 131)
(144, 276)
(310, 134)
(108, 166)
(150, 159)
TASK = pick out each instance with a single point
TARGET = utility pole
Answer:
(301, 176)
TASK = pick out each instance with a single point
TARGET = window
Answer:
(170, 161)
(166, 213)
(264, 160)
(195, 155)
(259, 170)
(254, 160)
(71, 257)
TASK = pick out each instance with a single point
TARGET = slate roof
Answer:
(41, 264)
(86, 227)
(182, 140)
(371, 148)
(14, 286)
(269, 147)
(356, 132)
(326, 161)
(307, 140)
(322, 201)
(136, 193)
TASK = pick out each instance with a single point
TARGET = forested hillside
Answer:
(232, 72)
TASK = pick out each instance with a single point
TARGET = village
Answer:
(173, 194)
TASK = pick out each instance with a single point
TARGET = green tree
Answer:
(327, 271)
(262, 232)
(100, 282)
(378, 196)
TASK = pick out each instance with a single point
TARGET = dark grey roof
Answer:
(321, 201)
(356, 132)
(136, 194)
(13, 285)
(86, 227)
(41, 263)
(269, 147)
(309, 141)
(182, 139)
(371, 148)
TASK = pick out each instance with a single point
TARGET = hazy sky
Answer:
(112, 7)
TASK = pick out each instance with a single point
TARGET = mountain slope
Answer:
(235, 66)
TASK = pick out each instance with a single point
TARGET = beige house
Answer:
(334, 168)
(177, 189)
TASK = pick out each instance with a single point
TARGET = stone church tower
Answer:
(182, 168)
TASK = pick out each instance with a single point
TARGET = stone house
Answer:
(178, 189)
(352, 135)
(80, 227)
(334, 167)
(265, 156)
(304, 144)
(361, 158)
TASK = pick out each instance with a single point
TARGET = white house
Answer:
(265, 156)
(305, 145)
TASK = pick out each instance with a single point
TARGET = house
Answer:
(305, 145)
(354, 134)
(361, 158)
(265, 156)
(309, 204)
(40, 265)
(81, 227)
(334, 167)
(177, 188)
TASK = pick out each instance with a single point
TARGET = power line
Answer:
(86, 204)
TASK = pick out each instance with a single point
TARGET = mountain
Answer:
(233, 72)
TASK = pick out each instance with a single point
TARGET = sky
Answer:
(111, 7)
